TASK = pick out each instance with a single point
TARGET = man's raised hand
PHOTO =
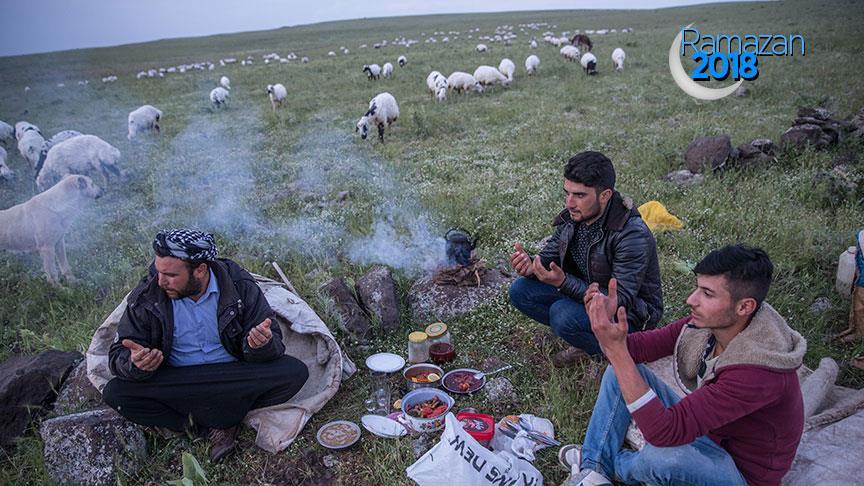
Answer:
(145, 359)
(521, 262)
(260, 335)
(609, 334)
(554, 276)
(611, 300)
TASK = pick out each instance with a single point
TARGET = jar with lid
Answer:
(438, 333)
(418, 347)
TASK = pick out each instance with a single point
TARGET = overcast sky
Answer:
(53, 25)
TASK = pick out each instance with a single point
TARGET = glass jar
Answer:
(418, 347)
(438, 333)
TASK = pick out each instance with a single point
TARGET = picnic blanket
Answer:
(830, 449)
(306, 338)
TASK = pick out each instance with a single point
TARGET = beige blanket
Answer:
(306, 337)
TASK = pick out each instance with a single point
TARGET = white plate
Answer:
(383, 426)
(385, 362)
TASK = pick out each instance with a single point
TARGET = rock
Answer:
(856, 124)
(684, 178)
(750, 156)
(742, 91)
(350, 315)
(764, 145)
(705, 152)
(500, 391)
(78, 393)
(429, 301)
(820, 306)
(28, 386)
(377, 293)
(342, 196)
(89, 447)
(799, 136)
(330, 461)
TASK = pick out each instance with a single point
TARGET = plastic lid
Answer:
(478, 425)
(417, 337)
(436, 329)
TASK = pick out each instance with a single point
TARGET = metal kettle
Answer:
(459, 246)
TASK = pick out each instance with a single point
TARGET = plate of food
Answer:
(338, 434)
(461, 380)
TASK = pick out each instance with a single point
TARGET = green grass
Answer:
(266, 183)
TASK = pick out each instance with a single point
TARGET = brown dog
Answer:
(40, 224)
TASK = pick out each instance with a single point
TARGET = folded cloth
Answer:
(658, 218)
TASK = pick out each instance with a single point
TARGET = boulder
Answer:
(429, 301)
(78, 393)
(799, 136)
(377, 293)
(89, 447)
(764, 145)
(28, 386)
(750, 156)
(349, 314)
(684, 178)
(708, 153)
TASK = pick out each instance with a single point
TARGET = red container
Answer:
(478, 425)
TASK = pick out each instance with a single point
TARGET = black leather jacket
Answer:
(626, 250)
(149, 320)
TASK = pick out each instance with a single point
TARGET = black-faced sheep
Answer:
(383, 112)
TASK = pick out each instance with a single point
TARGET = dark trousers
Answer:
(213, 396)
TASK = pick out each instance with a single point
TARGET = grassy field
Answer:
(267, 185)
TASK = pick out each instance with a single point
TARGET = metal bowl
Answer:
(417, 369)
(419, 396)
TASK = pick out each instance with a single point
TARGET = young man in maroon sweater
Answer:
(742, 417)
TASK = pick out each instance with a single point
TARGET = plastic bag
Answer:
(845, 273)
(459, 459)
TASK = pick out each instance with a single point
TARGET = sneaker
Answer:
(569, 357)
(222, 442)
(588, 477)
(570, 455)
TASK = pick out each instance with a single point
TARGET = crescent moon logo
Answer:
(687, 84)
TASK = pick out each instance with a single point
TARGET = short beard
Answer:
(193, 287)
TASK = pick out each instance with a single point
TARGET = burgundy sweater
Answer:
(754, 412)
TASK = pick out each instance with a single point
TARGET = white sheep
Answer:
(7, 132)
(481, 48)
(277, 93)
(402, 61)
(59, 137)
(86, 155)
(437, 85)
(22, 126)
(589, 62)
(331, 53)
(533, 43)
(219, 97)
(5, 172)
(532, 62)
(144, 119)
(507, 68)
(462, 81)
(489, 76)
(225, 82)
(31, 146)
(387, 70)
(383, 111)
(373, 71)
(571, 53)
(618, 58)
(304, 59)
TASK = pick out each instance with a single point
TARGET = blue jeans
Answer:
(702, 461)
(567, 317)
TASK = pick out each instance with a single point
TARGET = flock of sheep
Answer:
(66, 164)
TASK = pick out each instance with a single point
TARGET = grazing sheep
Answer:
(482, 48)
(402, 61)
(383, 111)
(461, 82)
(277, 93)
(618, 58)
(5, 172)
(331, 53)
(507, 68)
(489, 76)
(61, 136)
(31, 146)
(532, 62)
(86, 155)
(387, 70)
(7, 132)
(225, 82)
(23, 126)
(437, 84)
(582, 42)
(144, 120)
(219, 97)
(304, 59)
(40, 224)
(533, 43)
(570, 53)
(373, 71)
(589, 62)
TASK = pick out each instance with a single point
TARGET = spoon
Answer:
(481, 376)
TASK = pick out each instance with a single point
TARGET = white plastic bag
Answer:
(845, 273)
(458, 459)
